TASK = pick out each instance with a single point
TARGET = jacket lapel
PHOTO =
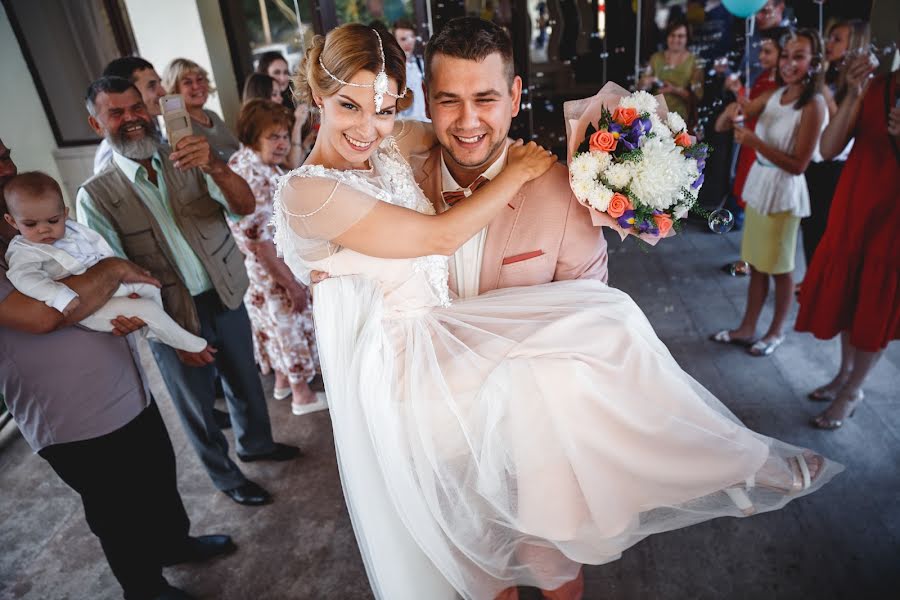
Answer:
(499, 233)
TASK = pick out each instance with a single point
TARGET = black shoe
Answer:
(173, 593)
(200, 548)
(222, 418)
(281, 452)
(249, 494)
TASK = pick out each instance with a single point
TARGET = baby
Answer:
(51, 247)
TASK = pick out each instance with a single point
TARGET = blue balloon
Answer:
(743, 8)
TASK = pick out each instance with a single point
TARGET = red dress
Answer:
(853, 282)
(764, 83)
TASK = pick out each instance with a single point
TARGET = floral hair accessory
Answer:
(380, 85)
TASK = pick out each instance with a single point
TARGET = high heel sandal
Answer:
(820, 421)
(824, 394)
(801, 480)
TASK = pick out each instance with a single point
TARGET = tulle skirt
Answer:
(508, 439)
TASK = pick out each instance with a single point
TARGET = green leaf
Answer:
(585, 145)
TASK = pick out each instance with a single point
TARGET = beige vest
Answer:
(201, 221)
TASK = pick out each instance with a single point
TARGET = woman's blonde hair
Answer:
(178, 69)
(345, 51)
(857, 41)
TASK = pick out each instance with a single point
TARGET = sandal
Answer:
(764, 348)
(724, 337)
(825, 393)
(820, 421)
(801, 480)
(737, 269)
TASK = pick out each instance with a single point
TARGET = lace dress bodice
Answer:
(409, 284)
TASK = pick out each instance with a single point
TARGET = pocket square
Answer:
(520, 257)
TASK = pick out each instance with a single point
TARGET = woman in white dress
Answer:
(509, 438)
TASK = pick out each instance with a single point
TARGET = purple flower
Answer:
(614, 128)
(701, 164)
(626, 221)
(698, 182)
(647, 227)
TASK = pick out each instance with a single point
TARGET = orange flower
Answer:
(683, 139)
(618, 205)
(664, 224)
(602, 141)
(625, 116)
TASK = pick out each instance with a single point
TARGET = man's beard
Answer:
(491, 156)
(141, 149)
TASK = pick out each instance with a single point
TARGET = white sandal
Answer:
(801, 480)
(281, 393)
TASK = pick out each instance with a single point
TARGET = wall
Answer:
(23, 125)
(167, 29)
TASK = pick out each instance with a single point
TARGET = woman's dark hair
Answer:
(813, 83)
(676, 24)
(258, 85)
(266, 59)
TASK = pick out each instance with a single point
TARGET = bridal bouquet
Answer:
(632, 162)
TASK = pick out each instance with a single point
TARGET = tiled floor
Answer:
(843, 542)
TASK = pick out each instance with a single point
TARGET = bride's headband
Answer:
(380, 85)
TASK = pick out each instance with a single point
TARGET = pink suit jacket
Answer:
(543, 235)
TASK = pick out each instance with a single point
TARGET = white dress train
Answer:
(508, 438)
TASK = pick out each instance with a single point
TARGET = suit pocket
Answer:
(529, 268)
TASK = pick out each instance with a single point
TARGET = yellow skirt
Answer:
(770, 241)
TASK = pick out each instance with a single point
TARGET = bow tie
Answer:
(452, 198)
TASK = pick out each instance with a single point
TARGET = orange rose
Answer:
(603, 141)
(618, 205)
(625, 116)
(683, 139)
(664, 224)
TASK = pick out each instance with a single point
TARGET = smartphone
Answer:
(176, 118)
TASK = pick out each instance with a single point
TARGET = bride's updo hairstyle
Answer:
(345, 51)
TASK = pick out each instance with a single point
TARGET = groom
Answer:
(472, 94)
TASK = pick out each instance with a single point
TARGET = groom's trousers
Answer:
(193, 391)
(127, 483)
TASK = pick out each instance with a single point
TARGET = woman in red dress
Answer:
(852, 286)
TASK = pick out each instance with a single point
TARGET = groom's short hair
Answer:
(471, 38)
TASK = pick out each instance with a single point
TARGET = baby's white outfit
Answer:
(34, 270)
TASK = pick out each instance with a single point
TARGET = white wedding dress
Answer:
(509, 438)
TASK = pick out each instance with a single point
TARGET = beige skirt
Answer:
(770, 241)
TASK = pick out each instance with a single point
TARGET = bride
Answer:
(509, 438)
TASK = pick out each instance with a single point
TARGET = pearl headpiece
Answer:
(380, 85)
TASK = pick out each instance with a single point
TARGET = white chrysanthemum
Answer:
(658, 127)
(600, 196)
(619, 175)
(641, 101)
(675, 122)
(583, 167)
(602, 160)
(582, 188)
(662, 174)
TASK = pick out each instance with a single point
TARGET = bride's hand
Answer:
(529, 161)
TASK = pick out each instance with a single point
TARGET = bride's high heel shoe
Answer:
(801, 480)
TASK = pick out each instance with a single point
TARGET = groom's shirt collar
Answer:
(448, 183)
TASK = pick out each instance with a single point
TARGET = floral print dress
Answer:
(284, 340)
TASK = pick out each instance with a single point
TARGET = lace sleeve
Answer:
(321, 208)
